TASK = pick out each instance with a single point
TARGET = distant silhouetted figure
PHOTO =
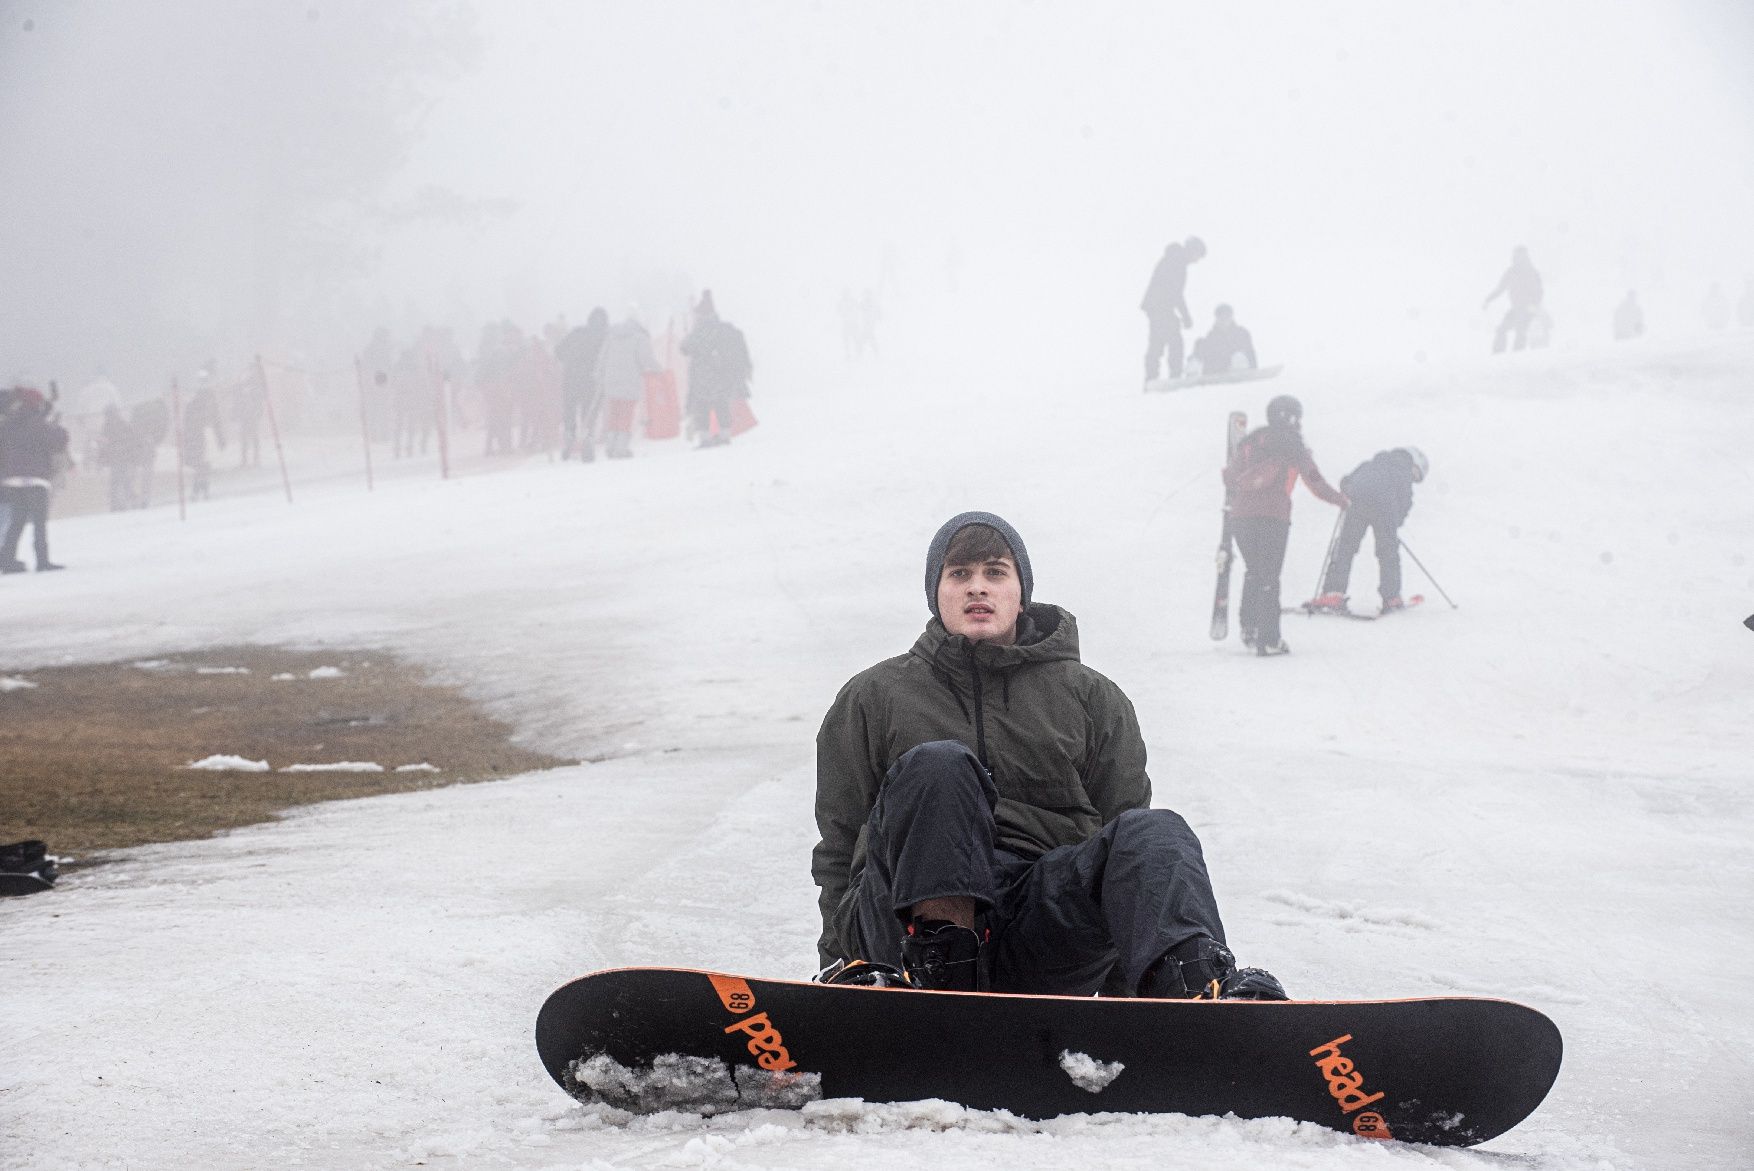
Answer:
(622, 365)
(580, 392)
(1629, 318)
(1717, 307)
(1166, 306)
(718, 373)
(1522, 284)
(199, 416)
(30, 444)
(1226, 347)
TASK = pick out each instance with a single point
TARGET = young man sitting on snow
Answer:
(986, 819)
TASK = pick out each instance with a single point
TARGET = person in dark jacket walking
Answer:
(29, 445)
(986, 816)
(580, 392)
(1522, 285)
(718, 372)
(1379, 494)
(1258, 482)
(1166, 306)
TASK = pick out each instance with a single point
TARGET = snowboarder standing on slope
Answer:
(985, 813)
(1260, 477)
(1166, 306)
(1522, 285)
(1380, 495)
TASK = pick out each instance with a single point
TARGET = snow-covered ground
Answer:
(1542, 795)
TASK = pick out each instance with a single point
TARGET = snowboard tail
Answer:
(1448, 1071)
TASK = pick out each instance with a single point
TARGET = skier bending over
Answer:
(1380, 495)
(985, 813)
(1258, 482)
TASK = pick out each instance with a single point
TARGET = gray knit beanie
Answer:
(941, 545)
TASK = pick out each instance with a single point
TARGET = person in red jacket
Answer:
(1259, 480)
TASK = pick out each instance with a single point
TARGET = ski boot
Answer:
(1281, 647)
(862, 974)
(1390, 605)
(1333, 602)
(941, 956)
(1201, 968)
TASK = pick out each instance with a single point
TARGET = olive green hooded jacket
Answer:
(1061, 741)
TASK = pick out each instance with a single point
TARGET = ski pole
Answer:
(1328, 557)
(1427, 574)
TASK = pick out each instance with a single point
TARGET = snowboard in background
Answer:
(1448, 1071)
(742, 418)
(1234, 429)
(1164, 384)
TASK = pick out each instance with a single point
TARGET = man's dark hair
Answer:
(976, 545)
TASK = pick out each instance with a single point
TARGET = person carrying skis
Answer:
(1166, 306)
(986, 816)
(1522, 285)
(1259, 479)
(1379, 492)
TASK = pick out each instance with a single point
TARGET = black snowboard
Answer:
(1448, 1071)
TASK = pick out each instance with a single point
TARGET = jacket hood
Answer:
(1045, 633)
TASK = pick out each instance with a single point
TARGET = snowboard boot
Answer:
(863, 974)
(941, 956)
(1333, 602)
(1201, 968)
(1264, 649)
(1194, 969)
(48, 567)
(1251, 984)
(14, 566)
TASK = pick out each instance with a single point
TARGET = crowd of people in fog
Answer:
(576, 390)
(564, 392)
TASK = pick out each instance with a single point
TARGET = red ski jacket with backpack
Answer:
(1265, 469)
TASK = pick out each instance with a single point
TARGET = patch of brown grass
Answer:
(96, 757)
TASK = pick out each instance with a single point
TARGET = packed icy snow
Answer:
(1541, 795)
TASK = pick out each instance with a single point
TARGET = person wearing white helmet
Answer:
(1380, 492)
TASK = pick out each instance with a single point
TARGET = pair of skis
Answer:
(1235, 428)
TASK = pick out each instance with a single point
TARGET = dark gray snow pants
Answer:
(1060, 923)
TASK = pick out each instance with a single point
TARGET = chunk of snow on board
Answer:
(339, 766)
(1087, 1073)
(326, 673)
(14, 683)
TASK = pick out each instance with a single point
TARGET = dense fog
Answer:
(198, 180)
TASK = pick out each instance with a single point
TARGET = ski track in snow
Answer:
(1536, 796)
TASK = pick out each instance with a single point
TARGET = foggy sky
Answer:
(1005, 174)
